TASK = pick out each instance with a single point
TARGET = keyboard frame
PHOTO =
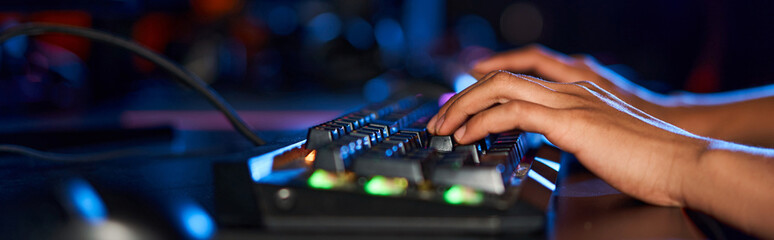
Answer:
(291, 205)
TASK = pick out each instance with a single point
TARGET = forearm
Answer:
(734, 183)
(742, 116)
(747, 122)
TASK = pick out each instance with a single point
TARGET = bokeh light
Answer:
(360, 34)
(324, 27)
(473, 30)
(377, 89)
(389, 34)
(196, 222)
(85, 201)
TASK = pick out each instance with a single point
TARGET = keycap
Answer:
(334, 158)
(471, 149)
(338, 155)
(320, 136)
(342, 129)
(384, 128)
(350, 125)
(442, 143)
(419, 135)
(366, 138)
(398, 146)
(379, 135)
(371, 165)
(488, 178)
(407, 141)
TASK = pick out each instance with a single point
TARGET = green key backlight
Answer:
(383, 186)
(322, 180)
(458, 194)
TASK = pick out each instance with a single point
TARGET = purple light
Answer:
(445, 98)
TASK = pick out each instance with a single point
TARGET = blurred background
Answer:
(287, 65)
(345, 46)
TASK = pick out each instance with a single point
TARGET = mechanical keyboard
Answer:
(378, 169)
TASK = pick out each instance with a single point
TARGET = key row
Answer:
(326, 133)
(489, 170)
(338, 155)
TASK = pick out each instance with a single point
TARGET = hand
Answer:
(634, 152)
(554, 66)
(731, 116)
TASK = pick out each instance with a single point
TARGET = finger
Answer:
(431, 124)
(499, 89)
(479, 75)
(522, 115)
(440, 117)
(466, 90)
(541, 60)
(436, 120)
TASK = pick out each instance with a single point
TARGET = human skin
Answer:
(633, 151)
(742, 116)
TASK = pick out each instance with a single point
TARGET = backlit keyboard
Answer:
(378, 168)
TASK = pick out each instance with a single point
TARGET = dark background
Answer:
(287, 65)
(264, 47)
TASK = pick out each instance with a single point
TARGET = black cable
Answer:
(141, 151)
(67, 157)
(185, 76)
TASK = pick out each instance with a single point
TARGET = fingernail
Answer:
(439, 123)
(460, 133)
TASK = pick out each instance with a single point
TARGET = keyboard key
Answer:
(372, 135)
(472, 149)
(379, 134)
(333, 158)
(442, 143)
(487, 178)
(320, 136)
(372, 165)
(420, 136)
(342, 129)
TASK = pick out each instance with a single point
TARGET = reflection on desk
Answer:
(585, 207)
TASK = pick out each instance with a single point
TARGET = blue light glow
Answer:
(325, 27)
(282, 177)
(389, 34)
(72, 72)
(473, 30)
(196, 222)
(540, 179)
(423, 21)
(282, 20)
(86, 201)
(360, 34)
(260, 166)
(463, 81)
(16, 46)
(553, 165)
(344, 150)
(376, 89)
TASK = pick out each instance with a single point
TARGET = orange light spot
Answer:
(310, 157)
(78, 45)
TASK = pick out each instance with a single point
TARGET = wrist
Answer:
(698, 177)
(690, 172)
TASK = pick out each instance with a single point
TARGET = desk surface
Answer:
(154, 195)
(146, 191)
(585, 207)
